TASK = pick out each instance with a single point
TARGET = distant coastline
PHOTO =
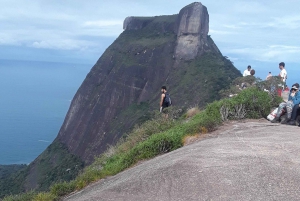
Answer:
(34, 101)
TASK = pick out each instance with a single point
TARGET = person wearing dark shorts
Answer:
(163, 104)
(295, 113)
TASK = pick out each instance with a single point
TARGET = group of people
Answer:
(282, 74)
(249, 71)
(292, 106)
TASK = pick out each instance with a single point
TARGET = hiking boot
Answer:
(285, 121)
(275, 120)
(292, 123)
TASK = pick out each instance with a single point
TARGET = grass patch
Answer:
(29, 196)
(192, 112)
(44, 197)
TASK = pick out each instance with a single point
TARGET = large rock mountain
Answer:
(146, 55)
(124, 84)
(131, 71)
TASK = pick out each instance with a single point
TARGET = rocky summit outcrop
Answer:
(124, 85)
(193, 27)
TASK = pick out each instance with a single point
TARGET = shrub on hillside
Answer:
(239, 84)
(157, 124)
(44, 197)
(192, 112)
(62, 188)
(250, 103)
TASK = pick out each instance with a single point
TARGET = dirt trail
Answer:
(254, 160)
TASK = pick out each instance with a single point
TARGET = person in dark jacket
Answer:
(295, 113)
(294, 99)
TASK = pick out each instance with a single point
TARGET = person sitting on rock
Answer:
(247, 71)
(295, 113)
(269, 76)
(294, 99)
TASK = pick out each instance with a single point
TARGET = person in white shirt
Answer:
(247, 71)
(283, 73)
(269, 76)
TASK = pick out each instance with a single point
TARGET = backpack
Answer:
(167, 100)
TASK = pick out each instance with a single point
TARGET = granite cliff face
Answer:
(125, 83)
(193, 27)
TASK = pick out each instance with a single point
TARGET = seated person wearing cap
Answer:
(295, 113)
(294, 99)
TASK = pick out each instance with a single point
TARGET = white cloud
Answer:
(238, 27)
(249, 7)
(103, 23)
(268, 54)
(289, 22)
(8, 40)
(67, 45)
(102, 28)
(231, 26)
(56, 25)
(220, 32)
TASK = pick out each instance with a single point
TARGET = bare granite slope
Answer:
(255, 160)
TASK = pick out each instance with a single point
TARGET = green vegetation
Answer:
(240, 83)
(29, 196)
(161, 135)
(63, 166)
(8, 175)
(12, 178)
(32, 196)
(7, 170)
(203, 78)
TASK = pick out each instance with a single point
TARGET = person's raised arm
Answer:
(161, 101)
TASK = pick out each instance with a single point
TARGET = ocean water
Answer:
(34, 99)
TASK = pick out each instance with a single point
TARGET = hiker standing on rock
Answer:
(282, 74)
(294, 99)
(165, 100)
(295, 113)
(247, 71)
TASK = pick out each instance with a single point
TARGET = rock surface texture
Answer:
(245, 161)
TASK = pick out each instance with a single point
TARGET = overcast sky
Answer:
(260, 33)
